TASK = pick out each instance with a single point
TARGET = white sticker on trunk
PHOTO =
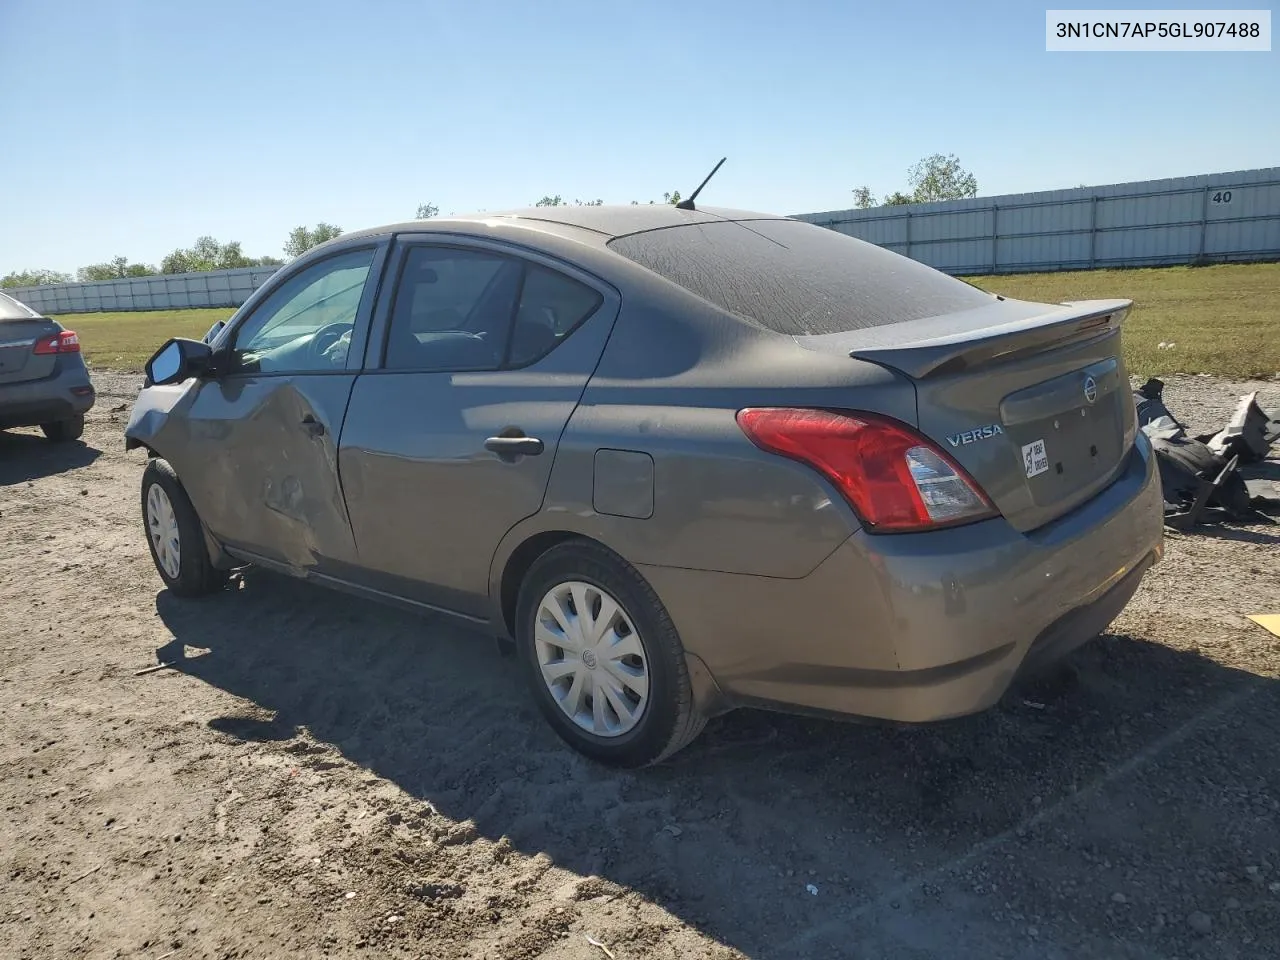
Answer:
(1035, 458)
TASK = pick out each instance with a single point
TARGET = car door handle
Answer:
(312, 426)
(512, 447)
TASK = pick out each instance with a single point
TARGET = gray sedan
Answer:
(683, 459)
(43, 379)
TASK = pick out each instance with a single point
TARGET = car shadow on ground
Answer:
(1239, 534)
(761, 803)
(28, 456)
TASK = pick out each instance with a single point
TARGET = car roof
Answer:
(601, 223)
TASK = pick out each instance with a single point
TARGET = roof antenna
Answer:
(687, 202)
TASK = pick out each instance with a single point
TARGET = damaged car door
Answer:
(273, 409)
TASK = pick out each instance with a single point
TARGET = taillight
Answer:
(894, 478)
(64, 342)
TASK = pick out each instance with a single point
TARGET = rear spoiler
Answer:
(975, 338)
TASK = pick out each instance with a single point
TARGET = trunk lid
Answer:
(17, 341)
(20, 329)
(1032, 400)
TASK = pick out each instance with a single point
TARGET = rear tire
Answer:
(63, 431)
(175, 534)
(652, 724)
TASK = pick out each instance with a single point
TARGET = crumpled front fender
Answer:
(150, 414)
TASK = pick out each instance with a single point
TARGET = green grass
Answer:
(124, 341)
(1223, 320)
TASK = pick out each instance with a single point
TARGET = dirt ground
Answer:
(319, 776)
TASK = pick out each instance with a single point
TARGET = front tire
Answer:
(603, 659)
(175, 534)
(64, 431)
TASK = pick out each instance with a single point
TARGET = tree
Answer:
(863, 198)
(941, 178)
(672, 198)
(34, 278)
(559, 201)
(301, 239)
(937, 177)
(208, 254)
(116, 268)
(426, 211)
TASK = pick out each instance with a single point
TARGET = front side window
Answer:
(452, 309)
(305, 325)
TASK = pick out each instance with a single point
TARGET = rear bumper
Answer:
(67, 393)
(922, 627)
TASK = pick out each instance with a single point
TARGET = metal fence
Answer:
(176, 291)
(1214, 218)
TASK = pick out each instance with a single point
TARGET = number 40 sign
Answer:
(1220, 196)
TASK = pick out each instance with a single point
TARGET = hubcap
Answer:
(162, 526)
(591, 658)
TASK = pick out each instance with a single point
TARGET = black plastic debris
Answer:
(1201, 476)
(1153, 416)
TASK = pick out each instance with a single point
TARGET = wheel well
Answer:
(132, 443)
(518, 565)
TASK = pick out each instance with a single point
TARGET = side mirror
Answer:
(178, 360)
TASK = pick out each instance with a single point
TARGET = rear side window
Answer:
(797, 279)
(551, 306)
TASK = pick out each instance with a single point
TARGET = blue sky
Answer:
(134, 126)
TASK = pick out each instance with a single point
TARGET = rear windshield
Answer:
(11, 309)
(795, 278)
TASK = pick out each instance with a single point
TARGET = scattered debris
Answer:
(152, 669)
(1153, 416)
(596, 943)
(1227, 489)
(813, 890)
(1249, 433)
(434, 891)
(672, 829)
(1267, 621)
(1202, 474)
(87, 873)
(1033, 704)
